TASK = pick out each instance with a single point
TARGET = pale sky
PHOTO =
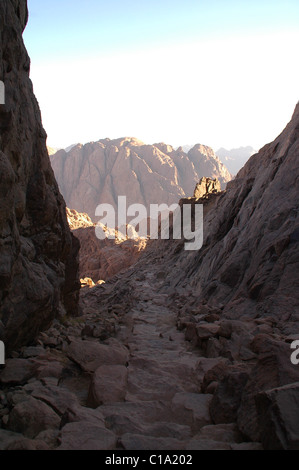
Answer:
(180, 72)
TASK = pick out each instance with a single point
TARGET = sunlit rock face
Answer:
(38, 254)
(100, 260)
(207, 186)
(99, 172)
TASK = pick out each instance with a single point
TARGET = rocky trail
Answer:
(113, 380)
(181, 349)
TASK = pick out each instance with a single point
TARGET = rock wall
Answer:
(101, 260)
(237, 298)
(38, 254)
(249, 262)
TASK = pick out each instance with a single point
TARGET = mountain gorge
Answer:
(178, 350)
(99, 172)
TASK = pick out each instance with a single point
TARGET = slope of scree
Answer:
(99, 172)
(38, 254)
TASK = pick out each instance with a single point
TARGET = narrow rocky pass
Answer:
(113, 380)
(134, 343)
(163, 408)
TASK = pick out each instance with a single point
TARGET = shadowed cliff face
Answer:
(249, 263)
(38, 254)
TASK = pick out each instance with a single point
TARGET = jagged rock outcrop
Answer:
(102, 259)
(99, 172)
(38, 254)
(76, 220)
(207, 186)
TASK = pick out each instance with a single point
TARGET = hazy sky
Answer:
(216, 72)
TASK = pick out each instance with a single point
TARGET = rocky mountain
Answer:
(235, 159)
(101, 171)
(38, 254)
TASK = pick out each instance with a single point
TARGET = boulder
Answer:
(30, 417)
(108, 385)
(273, 369)
(58, 398)
(278, 417)
(8, 437)
(91, 355)
(17, 372)
(192, 409)
(227, 398)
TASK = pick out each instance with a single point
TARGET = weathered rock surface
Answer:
(7, 438)
(103, 259)
(38, 254)
(228, 395)
(109, 385)
(248, 265)
(272, 369)
(278, 412)
(77, 220)
(17, 371)
(91, 355)
(198, 342)
(207, 186)
(193, 405)
(32, 416)
(86, 436)
(99, 172)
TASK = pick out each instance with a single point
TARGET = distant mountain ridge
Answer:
(99, 172)
(235, 159)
